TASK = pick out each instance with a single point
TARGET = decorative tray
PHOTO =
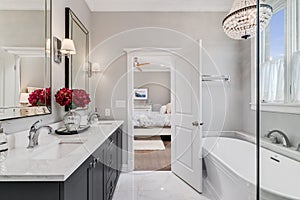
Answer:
(64, 131)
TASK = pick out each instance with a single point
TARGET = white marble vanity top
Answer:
(56, 157)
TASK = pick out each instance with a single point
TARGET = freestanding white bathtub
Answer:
(231, 171)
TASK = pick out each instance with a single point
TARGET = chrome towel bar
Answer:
(218, 78)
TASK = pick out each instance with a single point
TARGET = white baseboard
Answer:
(125, 168)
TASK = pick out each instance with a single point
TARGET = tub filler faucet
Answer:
(274, 139)
(35, 132)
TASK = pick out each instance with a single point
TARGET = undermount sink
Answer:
(108, 123)
(58, 151)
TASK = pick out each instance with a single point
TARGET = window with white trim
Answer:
(280, 58)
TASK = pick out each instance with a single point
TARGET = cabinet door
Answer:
(119, 144)
(97, 187)
(76, 187)
(110, 160)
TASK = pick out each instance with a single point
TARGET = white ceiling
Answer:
(159, 5)
(22, 5)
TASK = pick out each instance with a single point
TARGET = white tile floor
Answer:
(154, 186)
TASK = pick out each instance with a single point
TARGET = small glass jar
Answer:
(3, 147)
(72, 120)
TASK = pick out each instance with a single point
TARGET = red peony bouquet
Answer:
(40, 97)
(72, 98)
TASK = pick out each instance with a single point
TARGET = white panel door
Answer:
(186, 122)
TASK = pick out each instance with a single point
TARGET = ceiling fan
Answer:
(138, 65)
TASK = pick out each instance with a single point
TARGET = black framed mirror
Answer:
(25, 47)
(77, 65)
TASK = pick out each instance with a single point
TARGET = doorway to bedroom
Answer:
(184, 70)
(152, 113)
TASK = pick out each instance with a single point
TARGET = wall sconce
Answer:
(93, 68)
(68, 47)
(24, 99)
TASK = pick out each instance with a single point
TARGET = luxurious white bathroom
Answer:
(148, 100)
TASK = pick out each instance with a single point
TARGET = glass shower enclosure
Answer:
(278, 97)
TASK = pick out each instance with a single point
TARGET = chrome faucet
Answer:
(298, 148)
(35, 132)
(274, 139)
(92, 116)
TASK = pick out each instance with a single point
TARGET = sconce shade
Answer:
(96, 67)
(68, 47)
(24, 98)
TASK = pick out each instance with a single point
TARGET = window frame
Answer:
(292, 44)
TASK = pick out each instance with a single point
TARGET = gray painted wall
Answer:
(222, 103)
(30, 79)
(249, 122)
(158, 84)
(22, 29)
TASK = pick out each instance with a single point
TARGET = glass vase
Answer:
(72, 120)
(3, 147)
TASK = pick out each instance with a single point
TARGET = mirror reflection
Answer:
(77, 65)
(25, 69)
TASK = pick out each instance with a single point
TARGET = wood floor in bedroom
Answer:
(153, 160)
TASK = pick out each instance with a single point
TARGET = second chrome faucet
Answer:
(34, 133)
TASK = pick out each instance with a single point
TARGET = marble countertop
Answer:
(56, 157)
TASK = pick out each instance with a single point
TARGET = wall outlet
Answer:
(107, 112)
(120, 104)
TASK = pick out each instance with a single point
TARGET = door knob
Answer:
(196, 123)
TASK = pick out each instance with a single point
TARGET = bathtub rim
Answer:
(290, 152)
(244, 137)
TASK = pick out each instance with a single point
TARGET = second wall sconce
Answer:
(68, 47)
(93, 68)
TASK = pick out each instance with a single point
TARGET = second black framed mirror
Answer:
(76, 65)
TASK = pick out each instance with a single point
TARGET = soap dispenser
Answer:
(3, 144)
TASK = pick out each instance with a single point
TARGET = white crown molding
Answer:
(159, 6)
(25, 51)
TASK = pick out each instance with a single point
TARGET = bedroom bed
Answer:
(148, 123)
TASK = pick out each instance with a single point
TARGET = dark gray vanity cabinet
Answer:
(112, 163)
(96, 174)
(119, 152)
(95, 179)
(77, 186)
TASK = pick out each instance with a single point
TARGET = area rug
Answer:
(149, 145)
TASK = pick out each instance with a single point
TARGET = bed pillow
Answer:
(163, 109)
(169, 108)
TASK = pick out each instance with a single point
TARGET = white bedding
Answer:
(151, 119)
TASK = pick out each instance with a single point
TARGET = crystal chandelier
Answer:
(241, 22)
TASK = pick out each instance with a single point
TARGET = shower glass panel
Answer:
(278, 94)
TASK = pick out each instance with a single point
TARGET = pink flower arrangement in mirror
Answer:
(40, 97)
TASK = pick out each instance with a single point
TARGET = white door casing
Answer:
(186, 121)
(131, 53)
(186, 92)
